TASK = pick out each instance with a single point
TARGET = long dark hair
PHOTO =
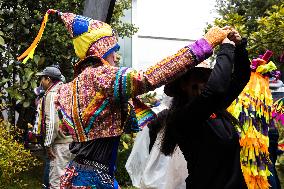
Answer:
(180, 98)
(169, 142)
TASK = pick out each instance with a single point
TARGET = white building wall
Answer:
(165, 26)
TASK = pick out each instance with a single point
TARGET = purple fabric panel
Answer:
(201, 49)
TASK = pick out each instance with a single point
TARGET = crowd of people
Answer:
(194, 143)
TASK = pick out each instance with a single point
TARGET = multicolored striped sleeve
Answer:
(130, 83)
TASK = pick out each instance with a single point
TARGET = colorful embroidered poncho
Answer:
(91, 105)
(253, 109)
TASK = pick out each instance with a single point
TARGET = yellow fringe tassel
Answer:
(29, 53)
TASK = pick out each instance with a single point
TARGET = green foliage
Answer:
(124, 150)
(31, 179)
(14, 159)
(261, 21)
(250, 10)
(19, 24)
(20, 21)
(270, 32)
(123, 29)
(150, 99)
(235, 20)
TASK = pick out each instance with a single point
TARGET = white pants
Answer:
(57, 165)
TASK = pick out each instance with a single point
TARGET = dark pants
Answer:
(46, 172)
(273, 179)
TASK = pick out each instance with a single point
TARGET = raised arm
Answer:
(208, 102)
(129, 83)
(240, 76)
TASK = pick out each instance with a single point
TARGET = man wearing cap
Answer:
(56, 142)
(92, 105)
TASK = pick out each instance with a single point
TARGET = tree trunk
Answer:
(99, 9)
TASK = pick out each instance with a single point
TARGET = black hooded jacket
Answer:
(209, 141)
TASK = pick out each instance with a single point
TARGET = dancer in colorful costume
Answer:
(253, 110)
(91, 105)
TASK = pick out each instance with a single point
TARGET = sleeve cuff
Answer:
(201, 50)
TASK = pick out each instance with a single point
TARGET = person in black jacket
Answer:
(199, 123)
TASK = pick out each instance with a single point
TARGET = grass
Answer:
(31, 179)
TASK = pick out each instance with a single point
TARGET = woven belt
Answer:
(94, 164)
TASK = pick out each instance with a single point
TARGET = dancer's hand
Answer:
(226, 40)
(216, 35)
(235, 36)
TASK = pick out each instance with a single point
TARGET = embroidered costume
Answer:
(91, 104)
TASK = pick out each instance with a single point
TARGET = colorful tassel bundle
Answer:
(253, 110)
(29, 53)
(278, 111)
(87, 35)
(144, 114)
(139, 115)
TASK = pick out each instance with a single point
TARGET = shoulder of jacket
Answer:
(56, 87)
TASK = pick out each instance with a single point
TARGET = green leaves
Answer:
(26, 104)
(125, 145)
(14, 158)
(270, 32)
(28, 74)
(261, 21)
(33, 84)
(2, 41)
(36, 58)
(14, 93)
(19, 24)
(10, 26)
(25, 86)
(123, 29)
(3, 82)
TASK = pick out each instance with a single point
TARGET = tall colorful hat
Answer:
(90, 37)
